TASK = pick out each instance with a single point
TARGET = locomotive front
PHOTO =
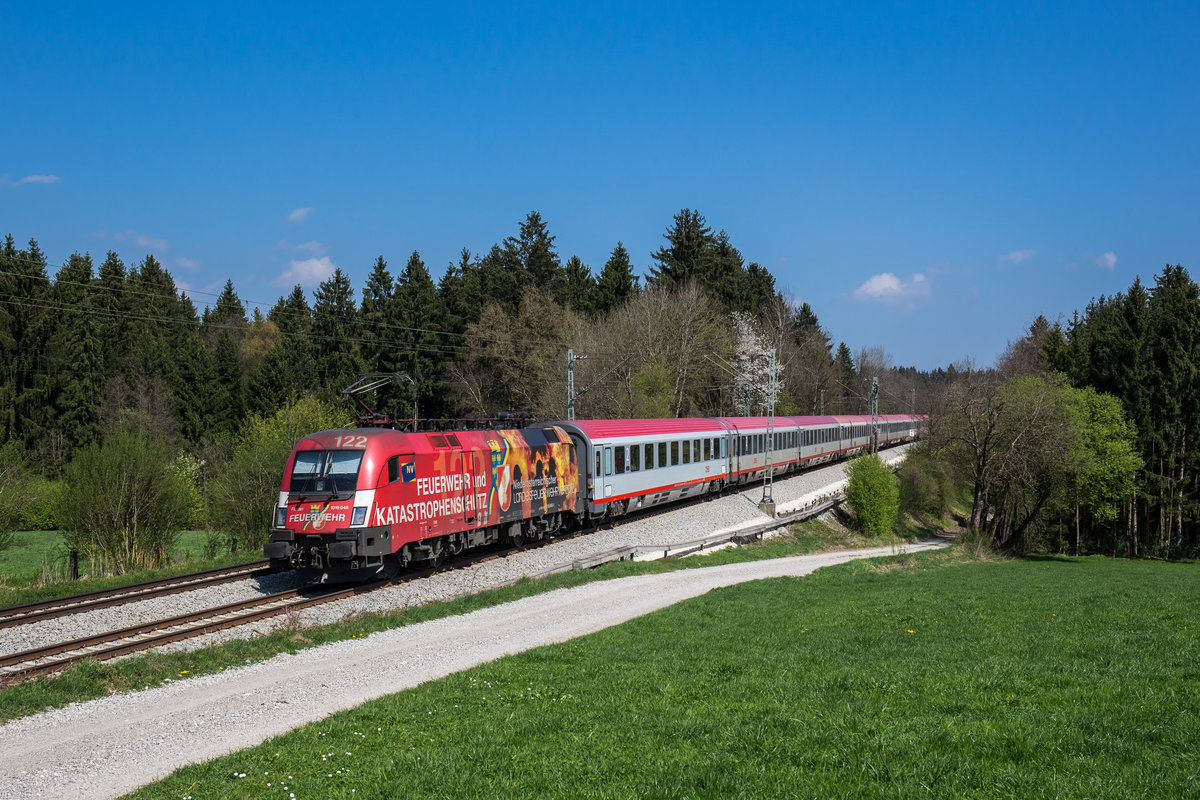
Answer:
(321, 518)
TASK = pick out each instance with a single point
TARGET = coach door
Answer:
(472, 467)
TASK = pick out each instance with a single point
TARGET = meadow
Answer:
(910, 676)
(35, 567)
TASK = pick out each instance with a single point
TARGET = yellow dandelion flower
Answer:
(910, 630)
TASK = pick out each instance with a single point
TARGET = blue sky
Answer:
(928, 178)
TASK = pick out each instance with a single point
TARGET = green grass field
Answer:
(916, 676)
(35, 567)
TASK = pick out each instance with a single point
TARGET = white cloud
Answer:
(888, 288)
(1017, 256)
(187, 263)
(156, 243)
(300, 213)
(313, 248)
(36, 179)
(1107, 261)
(308, 272)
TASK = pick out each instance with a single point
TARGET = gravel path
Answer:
(106, 747)
(683, 524)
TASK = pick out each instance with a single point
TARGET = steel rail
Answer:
(18, 667)
(119, 595)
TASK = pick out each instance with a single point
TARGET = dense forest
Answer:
(90, 347)
(1079, 439)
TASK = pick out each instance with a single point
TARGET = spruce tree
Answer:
(112, 309)
(377, 317)
(616, 283)
(847, 376)
(461, 293)
(688, 254)
(23, 334)
(424, 350)
(581, 286)
(74, 360)
(335, 331)
(533, 250)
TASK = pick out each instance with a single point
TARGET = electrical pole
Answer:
(874, 414)
(571, 359)
(767, 505)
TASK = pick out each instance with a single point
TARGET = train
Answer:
(361, 502)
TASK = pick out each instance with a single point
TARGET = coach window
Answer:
(695, 449)
(619, 458)
(686, 447)
(598, 469)
(722, 448)
(662, 454)
(608, 461)
(674, 453)
(635, 457)
(648, 457)
(708, 449)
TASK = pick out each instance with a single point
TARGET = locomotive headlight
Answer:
(280, 514)
(360, 516)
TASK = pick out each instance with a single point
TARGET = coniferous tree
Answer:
(616, 282)
(23, 332)
(461, 293)
(74, 363)
(424, 349)
(581, 285)
(226, 402)
(1175, 400)
(378, 318)
(846, 376)
(533, 250)
(112, 307)
(688, 254)
(335, 334)
(288, 367)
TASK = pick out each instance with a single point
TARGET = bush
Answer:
(925, 485)
(14, 490)
(872, 492)
(243, 495)
(122, 502)
(40, 512)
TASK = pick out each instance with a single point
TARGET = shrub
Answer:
(14, 490)
(872, 492)
(122, 502)
(925, 485)
(243, 495)
(40, 512)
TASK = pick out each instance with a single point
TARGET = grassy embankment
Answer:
(34, 568)
(921, 675)
(91, 680)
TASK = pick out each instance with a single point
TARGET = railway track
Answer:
(22, 666)
(106, 598)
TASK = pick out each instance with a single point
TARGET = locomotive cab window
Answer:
(325, 471)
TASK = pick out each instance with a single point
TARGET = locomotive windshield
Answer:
(325, 471)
